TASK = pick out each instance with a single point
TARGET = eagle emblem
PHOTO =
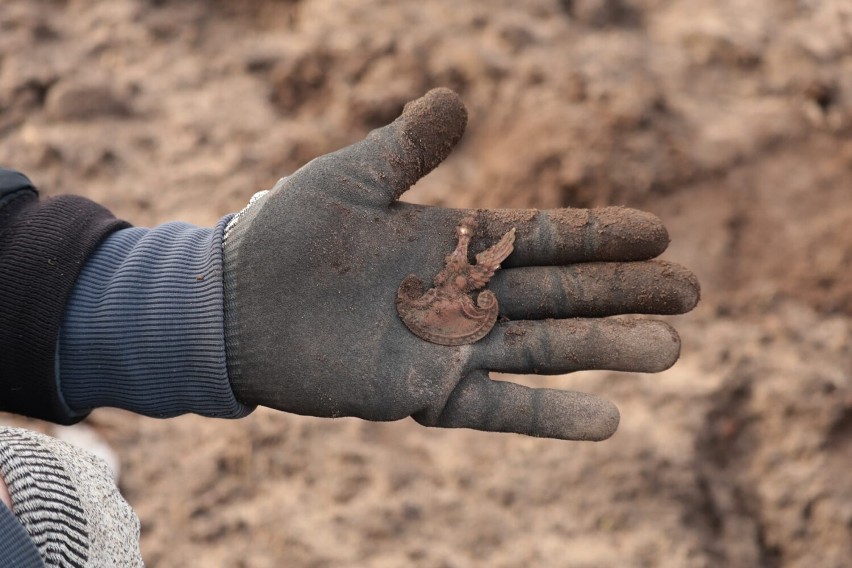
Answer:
(446, 314)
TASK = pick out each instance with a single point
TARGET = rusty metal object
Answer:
(446, 314)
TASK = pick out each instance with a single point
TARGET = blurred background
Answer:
(730, 120)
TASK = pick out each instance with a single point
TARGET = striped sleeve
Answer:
(144, 328)
(67, 502)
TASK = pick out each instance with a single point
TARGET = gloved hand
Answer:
(312, 270)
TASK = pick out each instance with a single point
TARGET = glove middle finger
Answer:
(595, 290)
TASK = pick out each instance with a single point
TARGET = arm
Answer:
(301, 292)
(95, 313)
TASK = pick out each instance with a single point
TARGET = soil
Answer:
(730, 120)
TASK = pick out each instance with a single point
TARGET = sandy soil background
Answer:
(730, 120)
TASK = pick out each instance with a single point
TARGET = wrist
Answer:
(144, 329)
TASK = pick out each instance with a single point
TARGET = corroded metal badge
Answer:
(445, 314)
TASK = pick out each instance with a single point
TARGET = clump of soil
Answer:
(730, 120)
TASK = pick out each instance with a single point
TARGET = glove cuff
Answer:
(233, 238)
(67, 501)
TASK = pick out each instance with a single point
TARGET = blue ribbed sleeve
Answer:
(144, 328)
(16, 547)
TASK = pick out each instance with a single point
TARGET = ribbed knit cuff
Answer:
(144, 328)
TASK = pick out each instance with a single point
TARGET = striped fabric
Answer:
(45, 499)
(144, 328)
(67, 503)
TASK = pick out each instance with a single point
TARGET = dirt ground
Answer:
(730, 120)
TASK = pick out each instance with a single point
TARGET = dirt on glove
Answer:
(729, 120)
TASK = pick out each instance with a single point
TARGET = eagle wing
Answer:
(488, 261)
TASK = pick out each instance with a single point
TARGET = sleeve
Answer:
(16, 546)
(67, 503)
(96, 313)
(43, 247)
(144, 329)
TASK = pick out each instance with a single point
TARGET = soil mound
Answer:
(730, 120)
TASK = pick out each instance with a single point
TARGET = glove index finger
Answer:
(552, 237)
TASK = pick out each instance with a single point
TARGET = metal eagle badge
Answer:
(446, 313)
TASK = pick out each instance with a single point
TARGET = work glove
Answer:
(323, 275)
